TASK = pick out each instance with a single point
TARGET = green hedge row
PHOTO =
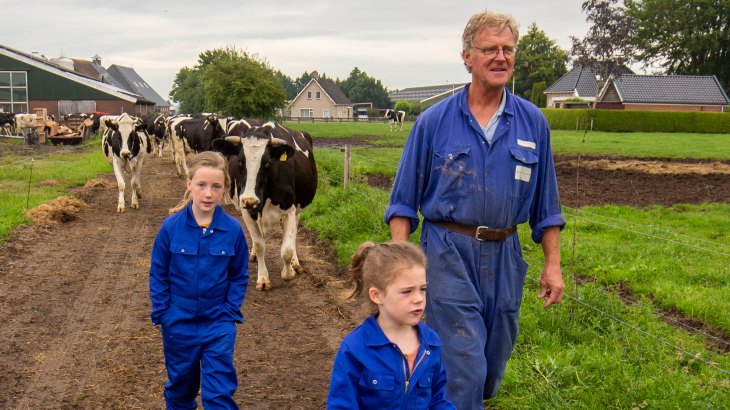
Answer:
(640, 121)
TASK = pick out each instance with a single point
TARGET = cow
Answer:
(395, 119)
(194, 135)
(7, 120)
(125, 145)
(157, 128)
(278, 180)
(95, 119)
(237, 128)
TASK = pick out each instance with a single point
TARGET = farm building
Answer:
(580, 82)
(428, 95)
(321, 97)
(63, 86)
(663, 92)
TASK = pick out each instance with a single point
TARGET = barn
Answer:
(30, 81)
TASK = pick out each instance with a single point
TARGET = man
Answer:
(476, 165)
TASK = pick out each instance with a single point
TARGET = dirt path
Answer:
(74, 326)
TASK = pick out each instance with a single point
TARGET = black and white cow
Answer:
(194, 135)
(278, 180)
(237, 128)
(7, 120)
(395, 118)
(95, 119)
(125, 145)
(157, 129)
(25, 122)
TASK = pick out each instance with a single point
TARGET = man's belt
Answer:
(481, 233)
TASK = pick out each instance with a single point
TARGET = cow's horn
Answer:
(235, 140)
(278, 141)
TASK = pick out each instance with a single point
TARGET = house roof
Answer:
(330, 88)
(583, 80)
(89, 81)
(669, 89)
(133, 82)
(421, 94)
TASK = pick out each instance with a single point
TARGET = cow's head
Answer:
(123, 136)
(260, 154)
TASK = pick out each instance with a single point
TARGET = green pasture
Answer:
(69, 169)
(572, 356)
(359, 129)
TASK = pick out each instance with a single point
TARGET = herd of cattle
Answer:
(272, 168)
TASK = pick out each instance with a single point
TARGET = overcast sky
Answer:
(403, 43)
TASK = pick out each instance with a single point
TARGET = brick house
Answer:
(663, 92)
(321, 97)
(579, 82)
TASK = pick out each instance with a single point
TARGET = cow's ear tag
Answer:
(282, 158)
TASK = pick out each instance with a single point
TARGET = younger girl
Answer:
(198, 278)
(392, 360)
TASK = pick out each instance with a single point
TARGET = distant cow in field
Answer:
(395, 118)
(125, 145)
(7, 120)
(194, 135)
(157, 129)
(23, 122)
(278, 180)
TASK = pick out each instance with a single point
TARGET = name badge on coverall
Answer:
(523, 173)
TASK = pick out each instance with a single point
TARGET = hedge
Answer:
(640, 121)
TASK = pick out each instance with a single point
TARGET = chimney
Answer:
(96, 59)
(315, 74)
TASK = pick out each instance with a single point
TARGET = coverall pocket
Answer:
(376, 390)
(523, 172)
(455, 171)
(182, 257)
(452, 282)
(423, 391)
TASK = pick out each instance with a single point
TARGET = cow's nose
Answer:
(249, 203)
(126, 154)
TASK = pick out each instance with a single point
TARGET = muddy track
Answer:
(74, 313)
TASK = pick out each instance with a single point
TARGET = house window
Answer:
(309, 95)
(326, 113)
(13, 91)
(306, 112)
(318, 95)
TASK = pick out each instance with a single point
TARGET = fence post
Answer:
(591, 124)
(347, 164)
(577, 120)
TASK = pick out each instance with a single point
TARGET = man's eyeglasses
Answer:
(491, 52)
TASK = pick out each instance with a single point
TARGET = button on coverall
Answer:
(449, 172)
(197, 285)
(370, 372)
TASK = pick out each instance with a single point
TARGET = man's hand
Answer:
(551, 285)
(551, 281)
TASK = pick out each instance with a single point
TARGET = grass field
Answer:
(67, 169)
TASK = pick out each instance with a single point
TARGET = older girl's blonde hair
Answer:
(377, 266)
(482, 21)
(204, 159)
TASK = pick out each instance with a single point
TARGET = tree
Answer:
(302, 81)
(538, 96)
(609, 43)
(403, 105)
(189, 91)
(359, 87)
(538, 59)
(289, 85)
(416, 108)
(684, 37)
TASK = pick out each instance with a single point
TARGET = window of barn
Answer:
(13, 91)
(309, 95)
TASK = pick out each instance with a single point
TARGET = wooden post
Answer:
(577, 120)
(591, 124)
(347, 165)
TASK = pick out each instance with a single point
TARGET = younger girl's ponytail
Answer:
(358, 260)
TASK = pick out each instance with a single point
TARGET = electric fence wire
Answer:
(694, 356)
(654, 312)
(49, 153)
(649, 227)
(376, 161)
(653, 236)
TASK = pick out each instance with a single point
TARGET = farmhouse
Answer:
(321, 97)
(428, 95)
(64, 86)
(578, 83)
(663, 92)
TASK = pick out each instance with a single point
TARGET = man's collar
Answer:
(506, 105)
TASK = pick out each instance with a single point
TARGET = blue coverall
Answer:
(449, 172)
(197, 285)
(370, 372)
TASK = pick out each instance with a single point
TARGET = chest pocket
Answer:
(523, 172)
(184, 249)
(376, 390)
(456, 172)
(222, 251)
(183, 258)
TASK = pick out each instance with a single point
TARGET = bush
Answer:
(640, 121)
(416, 109)
(538, 96)
(403, 105)
(373, 112)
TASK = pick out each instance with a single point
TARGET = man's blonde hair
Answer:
(482, 21)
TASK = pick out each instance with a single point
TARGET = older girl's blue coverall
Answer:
(197, 284)
(370, 372)
(449, 172)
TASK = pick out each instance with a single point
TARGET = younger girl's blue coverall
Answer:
(370, 372)
(450, 172)
(197, 285)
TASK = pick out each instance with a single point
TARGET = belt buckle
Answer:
(477, 236)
